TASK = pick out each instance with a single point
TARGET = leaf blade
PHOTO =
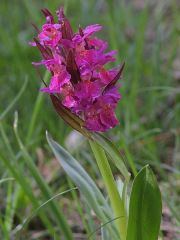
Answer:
(85, 184)
(145, 207)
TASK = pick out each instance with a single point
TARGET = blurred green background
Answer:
(146, 35)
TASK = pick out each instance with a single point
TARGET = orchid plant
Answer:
(85, 94)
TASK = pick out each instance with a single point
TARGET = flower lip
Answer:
(50, 36)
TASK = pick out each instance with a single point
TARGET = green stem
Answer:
(114, 196)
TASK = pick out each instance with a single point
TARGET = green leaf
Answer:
(104, 234)
(87, 187)
(145, 207)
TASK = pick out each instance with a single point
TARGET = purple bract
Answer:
(79, 78)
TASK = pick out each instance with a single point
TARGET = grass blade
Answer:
(63, 225)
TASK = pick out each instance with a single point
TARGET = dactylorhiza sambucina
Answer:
(80, 84)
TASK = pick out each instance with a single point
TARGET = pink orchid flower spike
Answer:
(84, 92)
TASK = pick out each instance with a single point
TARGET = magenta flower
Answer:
(50, 35)
(83, 91)
(100, 115)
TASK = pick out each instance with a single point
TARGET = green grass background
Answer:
(146, 35)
